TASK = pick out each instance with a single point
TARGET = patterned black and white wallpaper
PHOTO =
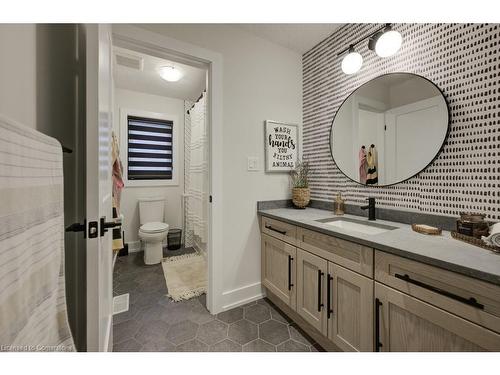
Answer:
(463, 60)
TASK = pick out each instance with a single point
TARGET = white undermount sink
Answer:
(357, 226)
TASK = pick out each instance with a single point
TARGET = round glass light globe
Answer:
(388, 43)
(352, 62)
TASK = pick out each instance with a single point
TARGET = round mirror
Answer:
(389, 129)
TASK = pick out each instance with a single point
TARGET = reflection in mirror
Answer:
(389, 129)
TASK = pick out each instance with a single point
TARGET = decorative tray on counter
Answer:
(474, 241)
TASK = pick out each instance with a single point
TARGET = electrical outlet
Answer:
(252, 163)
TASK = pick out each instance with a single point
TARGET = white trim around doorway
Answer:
(141, 40)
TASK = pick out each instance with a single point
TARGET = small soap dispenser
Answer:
(339, 205)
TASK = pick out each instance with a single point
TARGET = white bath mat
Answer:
(186, 276)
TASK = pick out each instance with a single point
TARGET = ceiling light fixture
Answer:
(170, 73)
(384, 41)
(352, 62)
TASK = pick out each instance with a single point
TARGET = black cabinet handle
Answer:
(468, 301)
(378, 344)
(320, 302)
(329, 310)
(290, 258)
(283, 232)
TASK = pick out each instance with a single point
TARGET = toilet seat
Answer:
(154, 227)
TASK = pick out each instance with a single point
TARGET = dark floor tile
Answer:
(292, 346)
(258, 346)
(158, 346)
(181, 332)
(231, 316)
(199, 314)
(297, 334)
(273, 332)
(153, 330)
(243, 331)
(125, 330)
(225, 346)
(212, 332)
(192, 346)
(129, 345)
(257, 313)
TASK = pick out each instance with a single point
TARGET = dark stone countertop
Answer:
(441, 251)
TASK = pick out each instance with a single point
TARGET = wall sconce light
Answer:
(352, 62)
(384, 41)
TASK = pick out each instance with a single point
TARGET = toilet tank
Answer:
(151, 209)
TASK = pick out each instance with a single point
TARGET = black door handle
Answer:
(320, 302)
(329, 310)
(468, 301)
(105, 225)
(77, 227)
(378, 344)
(290, 258)
(283, 232)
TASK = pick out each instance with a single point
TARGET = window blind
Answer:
(149, 149)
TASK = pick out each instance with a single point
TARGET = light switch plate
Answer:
(252, 163)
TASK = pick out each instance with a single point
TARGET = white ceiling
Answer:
(148, 80)
(300, 37)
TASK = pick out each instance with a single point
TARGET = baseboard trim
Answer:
(241, 296)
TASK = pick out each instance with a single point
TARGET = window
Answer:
(150, 142)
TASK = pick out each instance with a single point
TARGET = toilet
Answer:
(153, 230)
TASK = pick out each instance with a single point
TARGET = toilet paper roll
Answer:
(494, 238)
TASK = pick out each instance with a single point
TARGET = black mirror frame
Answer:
(423, 169)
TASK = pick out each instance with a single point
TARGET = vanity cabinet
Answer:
(407, 324)
(351, 297)
(311, 291)
(350, 317)
(278, 268)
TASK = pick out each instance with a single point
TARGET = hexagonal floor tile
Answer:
(212, 332)
(258, 346)
(273, 332)
(162, 345)
(257, 313)
(182, 331)
(243, 331)
(292, 346)
(129, 345)
(231, 316)
(152, 331)
(192, 346)
(225, 346)
(125, 330)
(297, 334)
(199, 314)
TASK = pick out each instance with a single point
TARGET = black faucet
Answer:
(371, 208)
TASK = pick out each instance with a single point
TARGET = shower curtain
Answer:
(196, 176)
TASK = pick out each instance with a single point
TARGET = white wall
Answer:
(261, 81)
(18, 72)
(173, 194)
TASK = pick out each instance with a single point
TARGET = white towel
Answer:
(494, 238)
(33, 313)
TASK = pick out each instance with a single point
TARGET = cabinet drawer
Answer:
(283, 231)
(353, 256)
(469, 298)
(407, 324)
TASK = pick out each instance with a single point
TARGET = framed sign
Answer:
(281, 146)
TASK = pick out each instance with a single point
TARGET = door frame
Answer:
(142, 40)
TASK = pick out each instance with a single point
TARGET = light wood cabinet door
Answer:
(350, 320)
(311, 289)
(278, 268)
(406, 324)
